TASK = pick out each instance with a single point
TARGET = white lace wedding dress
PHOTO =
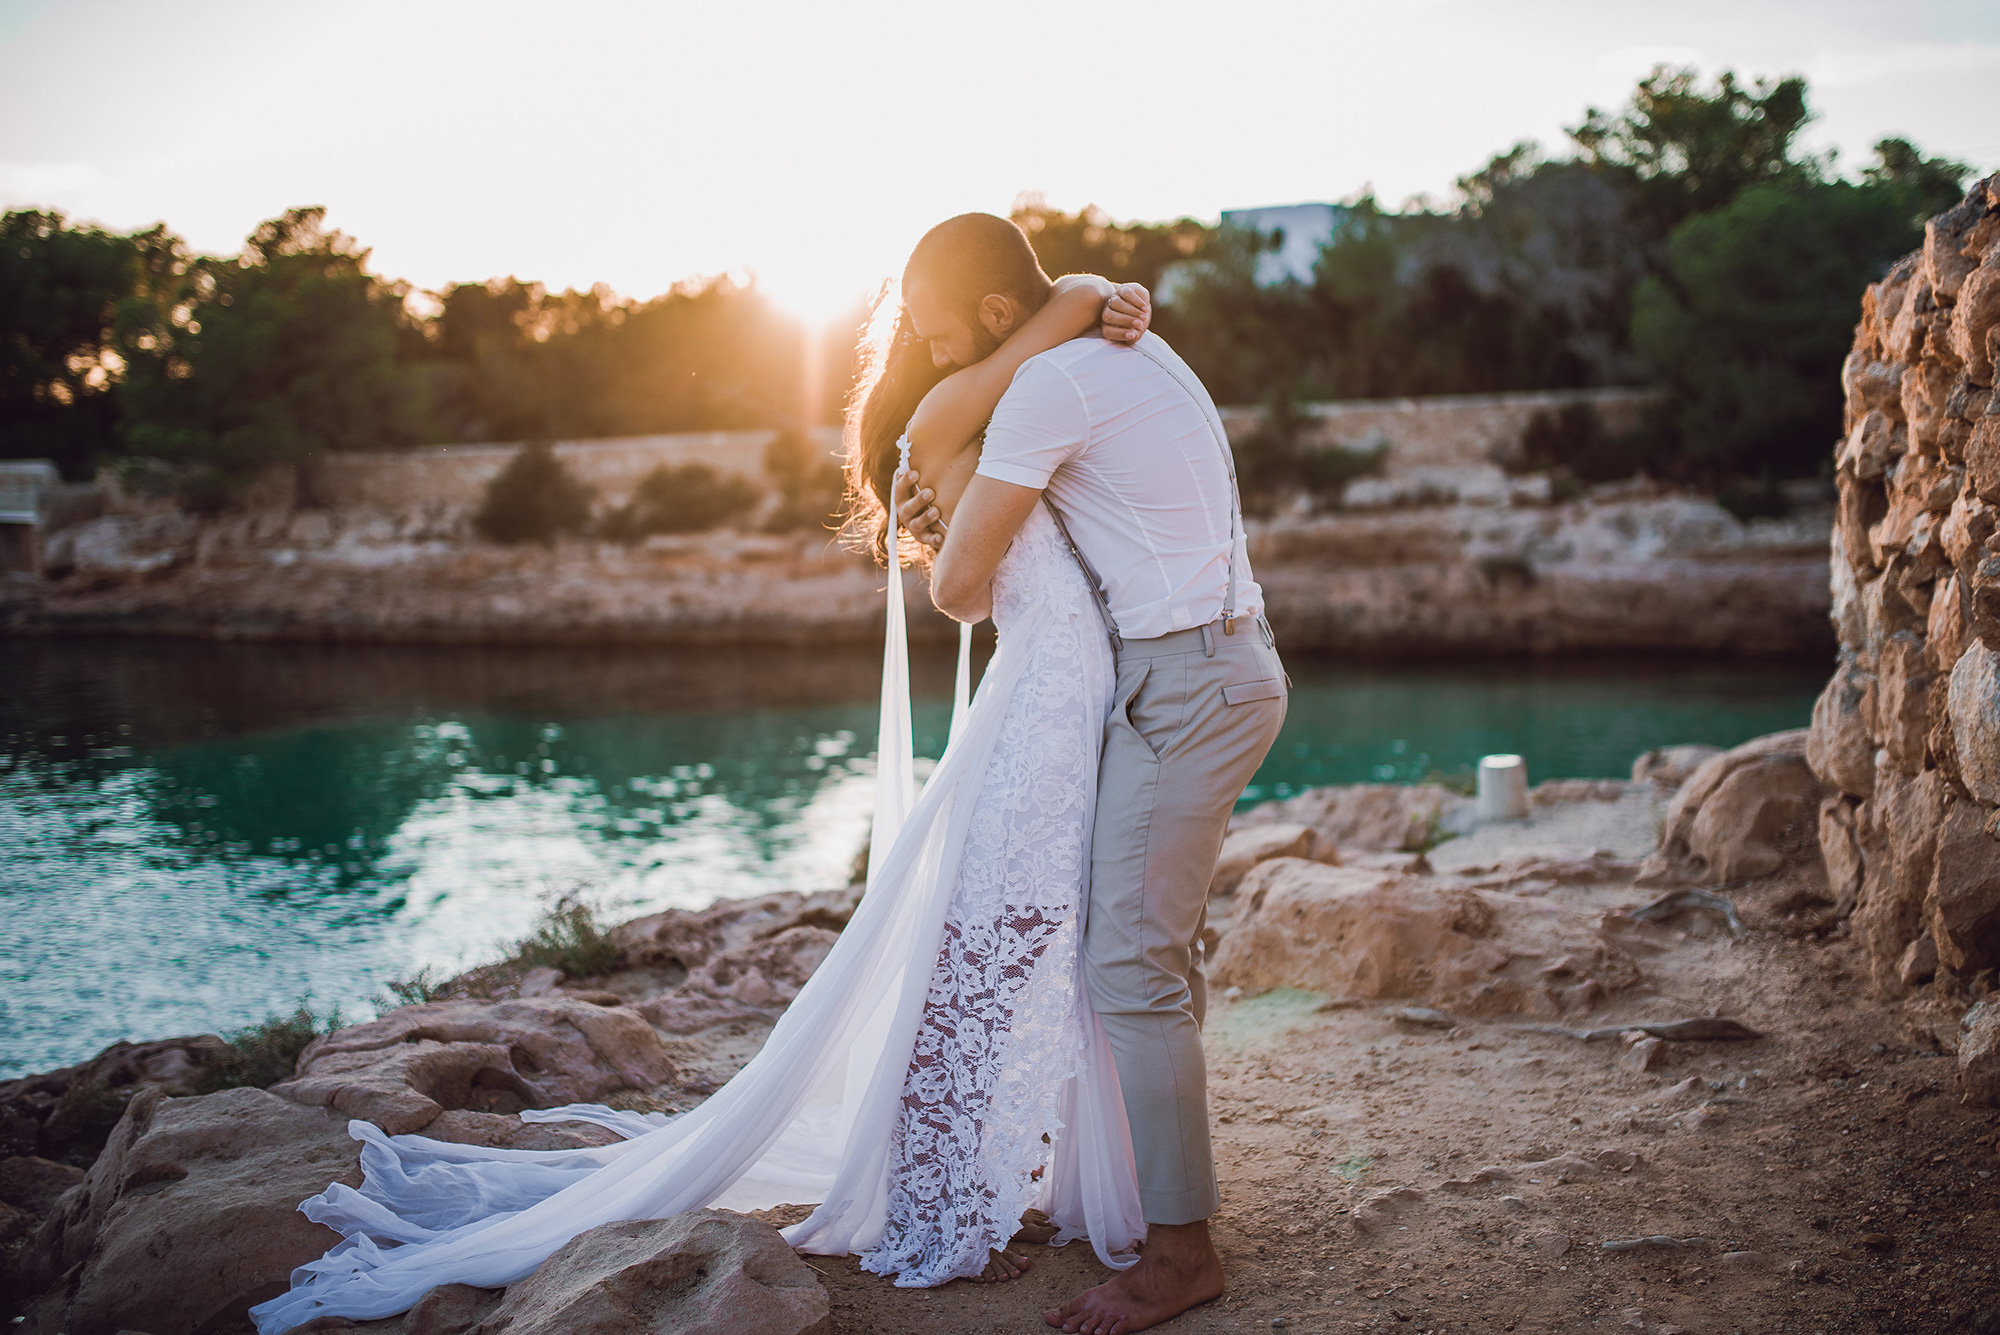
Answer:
(939, 1073)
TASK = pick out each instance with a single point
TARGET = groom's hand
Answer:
(914, 511)
(1127, 314)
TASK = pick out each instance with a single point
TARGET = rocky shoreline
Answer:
(1628, 568)
(1373, 897)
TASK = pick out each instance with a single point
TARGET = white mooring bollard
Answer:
(1503, 788)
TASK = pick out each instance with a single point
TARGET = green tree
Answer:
(1088, 241)
(280, 354)
(1748, 326)
(1928, 186)
(1687, 149)
(511, 360)
(72, 300)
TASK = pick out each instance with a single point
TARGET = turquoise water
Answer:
(193, 835)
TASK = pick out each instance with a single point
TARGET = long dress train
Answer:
(941, 1055)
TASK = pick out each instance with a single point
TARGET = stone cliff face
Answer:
(1628, 568)
(1907, 732)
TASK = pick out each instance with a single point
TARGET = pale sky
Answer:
(810, 144)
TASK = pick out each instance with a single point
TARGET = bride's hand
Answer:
(1128, 313)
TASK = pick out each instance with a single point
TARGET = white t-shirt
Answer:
(1131, 462)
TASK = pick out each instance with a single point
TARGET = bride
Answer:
(941, 1074)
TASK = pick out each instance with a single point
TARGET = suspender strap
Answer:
(1089, 574)
(1185, 378)
(1176, 368)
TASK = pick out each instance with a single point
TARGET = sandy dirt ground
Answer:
(1383, 1176)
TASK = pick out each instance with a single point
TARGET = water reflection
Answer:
(196, 834)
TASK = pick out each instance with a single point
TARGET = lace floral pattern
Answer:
(1002, 1031)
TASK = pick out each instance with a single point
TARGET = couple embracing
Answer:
(1004, 1045)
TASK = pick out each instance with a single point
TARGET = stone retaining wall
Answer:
(1446, 430)
(1908, 730)
(455, 476)
(1451, 432)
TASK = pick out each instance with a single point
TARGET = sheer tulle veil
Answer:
(808, 1121)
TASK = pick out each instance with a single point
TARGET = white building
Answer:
(1304, 228)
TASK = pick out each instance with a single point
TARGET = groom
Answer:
(1128, 449)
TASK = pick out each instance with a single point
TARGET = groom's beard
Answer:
(984, 344)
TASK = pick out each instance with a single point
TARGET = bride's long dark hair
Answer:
(895, 372)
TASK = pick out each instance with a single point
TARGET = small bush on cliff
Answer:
(533, 499)
(810, 483)
(679, 498)
(82, 1121)
(265, 1053)
(422, 986)
(1573, 440)
(569, 938)
(1273, 462)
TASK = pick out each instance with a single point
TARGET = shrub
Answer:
(1272, 461)
(422, 986)
(82, 1120)
(1758, 499)
(679, 498)
(533, 499)
(1328, 471)
(811, 485)
(265, 1053)
(569, 938)
(1573, 439)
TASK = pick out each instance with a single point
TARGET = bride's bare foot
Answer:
(1036, 1229)
(1179, 1270)
(1003, 1265)
(1008, 1263)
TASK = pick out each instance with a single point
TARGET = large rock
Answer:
(1247, 847)
(1875, 442)
(1734, 818)
(768, 974)
(1979, 1055)
(402, 1070)
(1668, 767)
(1840, 850)
(1975, 721)
(1901, 701)
(1870, 384)
(1354, 932)
(34, 1184)
(707, 1272)
(1369, 932)
(1838, 746)
(678, 939)
(1379, 817)
(1947, 632)
(123, 545)
(1976, 315)
(1963, 907)
(68, 1112)
(190, 1215)
(1900, 842)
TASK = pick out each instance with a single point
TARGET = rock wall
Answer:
(1629, 567)
(1907, 733)
(1445, 430)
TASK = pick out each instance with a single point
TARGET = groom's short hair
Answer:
(963, 259)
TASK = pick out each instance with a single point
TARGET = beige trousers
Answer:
(1195, 712)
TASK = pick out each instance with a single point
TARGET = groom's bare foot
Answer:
(1179, 1270)
(1003, 1264)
